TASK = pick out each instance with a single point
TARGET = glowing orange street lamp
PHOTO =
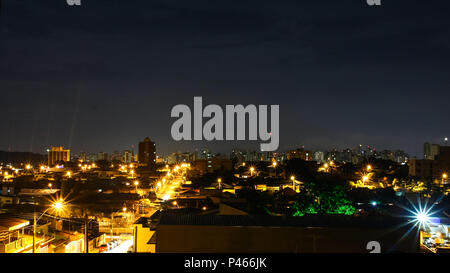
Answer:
(365, 178)
(58, 205)
(293, 182)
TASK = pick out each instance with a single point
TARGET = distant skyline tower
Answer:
(430, 151)
(147, 153)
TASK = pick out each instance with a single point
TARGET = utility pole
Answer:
(86, 240)
(112, 219)
(34, 232)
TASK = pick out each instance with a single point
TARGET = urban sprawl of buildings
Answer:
(246, 201)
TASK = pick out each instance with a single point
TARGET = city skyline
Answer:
(200, 148)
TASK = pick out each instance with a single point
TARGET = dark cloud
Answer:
(106, 74)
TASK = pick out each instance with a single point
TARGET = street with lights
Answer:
(165, 189)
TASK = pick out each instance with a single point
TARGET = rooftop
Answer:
(277, 221)
(8, 223)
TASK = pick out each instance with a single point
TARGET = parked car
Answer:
(110, 245)
(103, 248)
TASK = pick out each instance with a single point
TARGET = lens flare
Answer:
(421, 216)
(58, 205)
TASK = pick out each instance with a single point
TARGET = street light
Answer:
(252, 169)
(58, 205)
(444, 177)
(219, 181)
(369, 167)
(293, 182)
(365, 178)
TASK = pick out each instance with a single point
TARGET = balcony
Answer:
(10, 247)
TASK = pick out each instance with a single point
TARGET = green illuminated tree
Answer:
(326, 195)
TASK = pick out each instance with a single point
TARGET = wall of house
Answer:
(228, 239)
(141, 237)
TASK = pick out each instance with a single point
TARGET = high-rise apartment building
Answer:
(147, 153)
(300, 153)
(430, 151)
(57, 154)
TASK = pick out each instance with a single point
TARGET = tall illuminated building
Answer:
(147, 153)
(57, 154)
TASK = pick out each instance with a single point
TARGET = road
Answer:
(122, 248)
(167, 190)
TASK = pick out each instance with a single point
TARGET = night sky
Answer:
(103, 76)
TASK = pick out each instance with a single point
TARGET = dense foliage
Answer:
(324, 195)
